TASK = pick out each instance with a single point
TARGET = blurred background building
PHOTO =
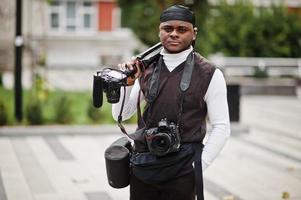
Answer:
(77, 33)
(87, 34)
(64, 34)
(6, 34)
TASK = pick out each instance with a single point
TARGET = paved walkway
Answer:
(261, 160)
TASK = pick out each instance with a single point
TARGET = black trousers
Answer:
(181, 188)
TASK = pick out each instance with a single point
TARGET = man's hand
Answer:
(131, 65)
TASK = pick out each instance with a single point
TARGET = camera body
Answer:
(110, 80)
(163, 139)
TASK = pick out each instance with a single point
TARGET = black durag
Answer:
(178, 12)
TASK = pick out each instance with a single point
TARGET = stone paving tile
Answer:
(218, 191)
(58, 149)
(286, 120)
(261, 163)
(97, 196)
(56, 170)
(35, 175)
(274, 148)
(226, 177)
(243, 174)
(2, 189)
(13, 179)
(210, 196)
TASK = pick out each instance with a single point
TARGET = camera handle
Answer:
(145, 59)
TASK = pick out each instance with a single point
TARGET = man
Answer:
(180, 88)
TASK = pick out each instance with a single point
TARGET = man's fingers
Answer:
(128, 65)
(133, 59)
(123, 66)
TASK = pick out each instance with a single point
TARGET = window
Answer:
(87, 21)
(54, 15)
(55, 3)
(87, 12)
(72, 16)
(54, 20)
(87, 4)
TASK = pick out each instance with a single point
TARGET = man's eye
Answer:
(182, 30)
(168, 29)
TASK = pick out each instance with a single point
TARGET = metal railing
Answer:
(244, 66)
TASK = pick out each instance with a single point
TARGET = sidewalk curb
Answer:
(72, 130)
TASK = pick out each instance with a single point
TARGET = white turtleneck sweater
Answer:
(215, 98)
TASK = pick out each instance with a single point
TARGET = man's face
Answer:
(176, 35)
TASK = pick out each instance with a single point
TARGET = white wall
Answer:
(86, 51)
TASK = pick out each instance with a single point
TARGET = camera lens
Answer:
(160, 144)
(113, 96)
(113, 92)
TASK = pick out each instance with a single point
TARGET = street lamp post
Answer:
(18, 61)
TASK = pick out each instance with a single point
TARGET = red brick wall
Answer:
(105, 11)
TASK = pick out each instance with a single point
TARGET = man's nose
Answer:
(174, 33)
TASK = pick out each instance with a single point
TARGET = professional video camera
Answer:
(110, 80)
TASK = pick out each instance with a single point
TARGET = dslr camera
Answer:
(110, 80)
(163, 139)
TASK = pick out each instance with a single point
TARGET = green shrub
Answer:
(93, 113)
(34, 113)
(260, 73)
(3, 113)
(52, 109)
(252, 32)
(63, 112)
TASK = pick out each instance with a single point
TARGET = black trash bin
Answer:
(233, 95)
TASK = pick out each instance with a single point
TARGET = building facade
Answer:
(76, 33)
(79, 34)
(6, 34)
(68, 34)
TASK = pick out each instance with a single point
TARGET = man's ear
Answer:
(195, 29)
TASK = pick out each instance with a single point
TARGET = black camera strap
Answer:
(134, 136)
(184, 85)
(154, 82)
(154, 87)
(120, 113)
